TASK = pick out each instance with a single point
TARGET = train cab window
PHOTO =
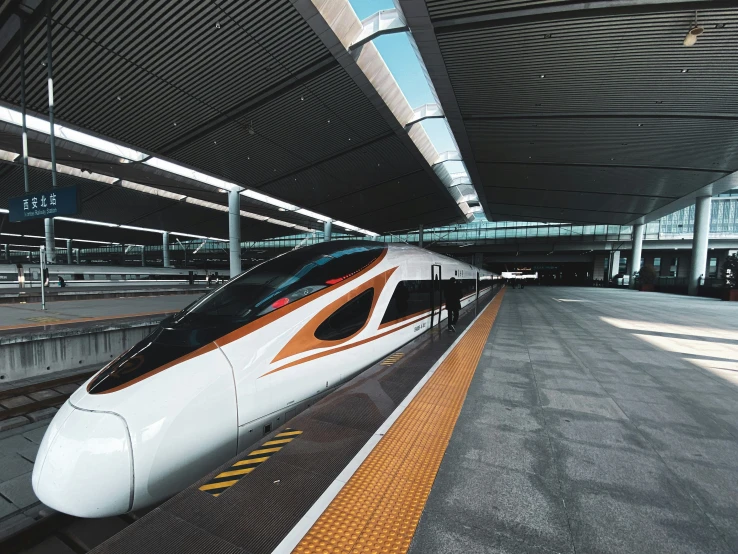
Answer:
(286, 279)
(347, 319)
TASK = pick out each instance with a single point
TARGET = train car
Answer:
(216, 377)
(27, 275)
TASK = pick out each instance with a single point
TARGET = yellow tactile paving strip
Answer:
(379, 508)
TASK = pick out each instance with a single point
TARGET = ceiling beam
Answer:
(602, 8)
(419, 21)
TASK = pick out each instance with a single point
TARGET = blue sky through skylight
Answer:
(405, 67)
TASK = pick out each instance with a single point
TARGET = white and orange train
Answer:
(216, 377)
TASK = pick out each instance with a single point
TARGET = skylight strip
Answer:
(269, 200)
(34, 123)
(152, 190)
(206, 204)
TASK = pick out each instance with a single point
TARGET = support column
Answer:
(234, 230)
(23, 103)
(6, 252)
(143, 256)
(615, 266)
(634, 264)
(165, 248)
(76, 252)
(49, 236)
(49, 222)
(699, 243)
(327, 231)
(420, 235)
(69, 251)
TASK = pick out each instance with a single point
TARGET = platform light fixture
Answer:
(146, 229)
(694, 32)
(87, 221)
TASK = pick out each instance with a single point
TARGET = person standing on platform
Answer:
(453, 303)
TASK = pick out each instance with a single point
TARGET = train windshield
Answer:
(278, 282)
(263, 289)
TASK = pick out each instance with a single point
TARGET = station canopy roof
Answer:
(563, 111)
(243, 91)
(586, 111)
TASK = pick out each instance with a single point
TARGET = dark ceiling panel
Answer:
(242, 90)
(456, 8)
(666, 143)
(621, 204)
(394, 205)
(612, 180)
(576, 111)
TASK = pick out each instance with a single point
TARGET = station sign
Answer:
(50, 203)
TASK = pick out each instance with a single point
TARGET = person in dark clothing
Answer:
(453, 303)
(62, 283)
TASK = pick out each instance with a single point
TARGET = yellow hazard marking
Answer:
(266, 450)
(221, 485)
(279, 441)
(379, 508)
(243, 471)
(289, 433)
(251, 461)
(389, 360)
(216, 487)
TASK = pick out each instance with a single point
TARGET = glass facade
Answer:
(723, 224)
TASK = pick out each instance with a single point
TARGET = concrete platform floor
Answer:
(67, 311)
(598, 421)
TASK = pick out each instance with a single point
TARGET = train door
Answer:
(477, 286)
(435, 293)
(21, 277)
(35, 274)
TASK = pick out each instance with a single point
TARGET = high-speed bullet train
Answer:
(214, 378)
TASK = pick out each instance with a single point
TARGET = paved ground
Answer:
(65, 311)
(598, 421)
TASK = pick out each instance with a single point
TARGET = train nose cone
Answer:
(84, 464)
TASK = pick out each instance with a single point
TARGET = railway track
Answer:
(31, 402)
(51, 532)
(57, 533)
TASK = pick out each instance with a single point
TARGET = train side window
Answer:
(347, 319)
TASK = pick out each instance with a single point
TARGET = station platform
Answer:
(63, 314)
(17, 295)
(556, 420)
(78, 333)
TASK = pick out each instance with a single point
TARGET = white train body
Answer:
(147, 426)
